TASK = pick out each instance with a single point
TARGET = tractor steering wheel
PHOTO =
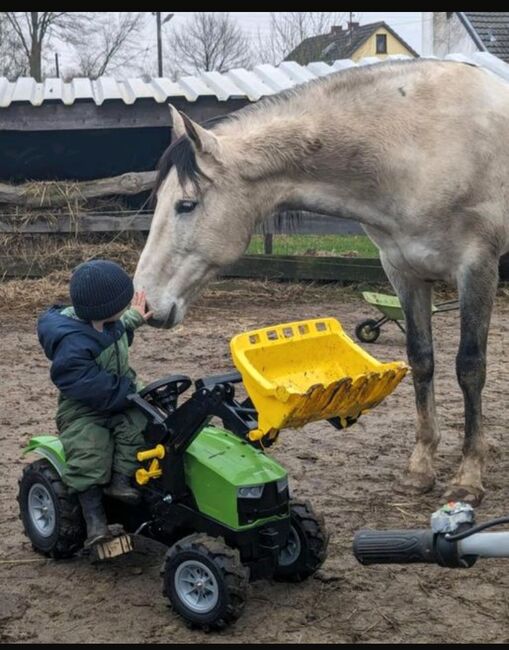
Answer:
(164, 392)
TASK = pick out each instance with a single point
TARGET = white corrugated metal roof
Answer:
(238, 83)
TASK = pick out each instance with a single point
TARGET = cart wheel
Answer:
(307, 544)
(367, 331)
(51, 517)
(205, 581)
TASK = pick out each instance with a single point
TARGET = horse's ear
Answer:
(204, 140)
(178, 128)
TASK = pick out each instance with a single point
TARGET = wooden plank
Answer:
(112, 114)
(250, 266)
(56, 194)
(83, 115)
(281, 267)
(81, 224)
(340, 269)
(13, 267)
(90, 222)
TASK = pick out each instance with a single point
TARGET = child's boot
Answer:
(94, 515)
(121, 488)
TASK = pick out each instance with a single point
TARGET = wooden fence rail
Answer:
(250, 266)
(135, 221)
(270, 267)
(53, 194)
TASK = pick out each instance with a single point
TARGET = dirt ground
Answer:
(351, 477)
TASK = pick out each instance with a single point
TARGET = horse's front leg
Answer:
(477, 287)
(415, 297)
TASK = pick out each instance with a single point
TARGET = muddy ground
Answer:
(349, 476)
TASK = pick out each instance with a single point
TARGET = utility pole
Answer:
(56, 65)
(160, 23)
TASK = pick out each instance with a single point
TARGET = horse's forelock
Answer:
(181, 153)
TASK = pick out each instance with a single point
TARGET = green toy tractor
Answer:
(219, 503)
(210, 493)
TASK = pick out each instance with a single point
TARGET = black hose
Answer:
(476, 529)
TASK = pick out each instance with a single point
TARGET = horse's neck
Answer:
(327, 147)
(297, 163)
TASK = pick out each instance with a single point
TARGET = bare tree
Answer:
(289, 28)
(210, 41)
(12, 62)
(33, 29)
(113, 42)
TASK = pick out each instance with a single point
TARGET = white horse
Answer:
(417, 152)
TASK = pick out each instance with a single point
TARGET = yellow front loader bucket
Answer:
(310, 370)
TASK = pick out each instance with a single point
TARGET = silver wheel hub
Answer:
(196, 586)
(289, 554)
(41, 510)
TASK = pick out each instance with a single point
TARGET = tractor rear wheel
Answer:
(51, 517)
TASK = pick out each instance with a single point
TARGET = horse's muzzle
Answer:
(165, 323)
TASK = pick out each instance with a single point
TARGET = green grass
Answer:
(320, 245)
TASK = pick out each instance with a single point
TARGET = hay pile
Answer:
(21, 297)
(25, 254)
(43, 254)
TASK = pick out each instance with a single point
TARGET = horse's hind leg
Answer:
(415, 297)
(477, 287)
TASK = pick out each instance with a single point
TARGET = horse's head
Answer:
(213, 187)
(202, 222)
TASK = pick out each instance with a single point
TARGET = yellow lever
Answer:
(143, 476)
(156, 452)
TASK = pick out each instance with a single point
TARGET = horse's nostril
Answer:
(171, 316)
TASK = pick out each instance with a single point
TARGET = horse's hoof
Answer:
(417, 482)
(466, 493)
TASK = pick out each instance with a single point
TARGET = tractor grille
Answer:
(270, 504)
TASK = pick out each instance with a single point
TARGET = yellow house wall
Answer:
(368, 48)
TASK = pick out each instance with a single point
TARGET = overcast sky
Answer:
(406, 24)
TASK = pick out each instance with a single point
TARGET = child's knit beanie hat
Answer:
(100, 289)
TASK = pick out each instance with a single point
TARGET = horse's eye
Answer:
(185, 206)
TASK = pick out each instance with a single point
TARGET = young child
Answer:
(88, 345)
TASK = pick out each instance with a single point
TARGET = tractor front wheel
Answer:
(205, 581)
(307, 544)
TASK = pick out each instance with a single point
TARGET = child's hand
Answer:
(138, 303)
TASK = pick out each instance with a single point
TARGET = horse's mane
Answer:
(345, 79)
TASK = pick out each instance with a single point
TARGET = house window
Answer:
(381, 43)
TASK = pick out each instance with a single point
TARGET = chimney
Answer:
(352, 25)
(336, 29)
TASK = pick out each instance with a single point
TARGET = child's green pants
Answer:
(97, 444)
